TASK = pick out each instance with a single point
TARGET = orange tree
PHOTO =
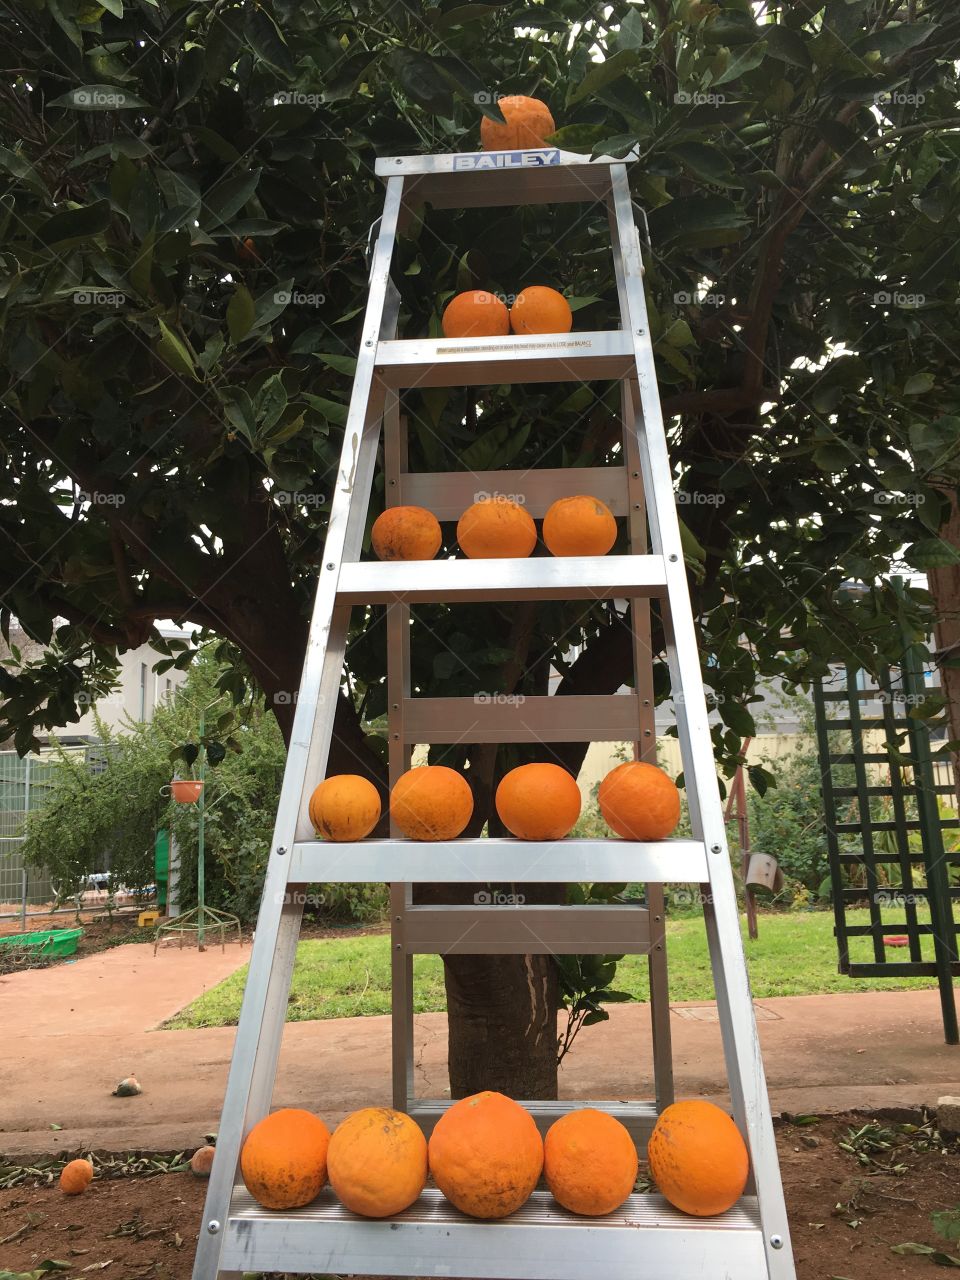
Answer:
(185, 193)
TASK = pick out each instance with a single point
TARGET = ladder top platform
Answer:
(473, 179)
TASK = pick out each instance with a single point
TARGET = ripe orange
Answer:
(345, 807)
(579, 526)
(486, 1155)
(431, 802)
(284, 1158)
(538, 309)
(406, 533)
(377, 1162)
(589, 1161)
(698, 1159)
(475, 314)
(639, 801)
(496, 528)
(538, 802)
(529, 122)
(75, 1177)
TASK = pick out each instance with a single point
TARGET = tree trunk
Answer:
(502, 1025)
(945, 588)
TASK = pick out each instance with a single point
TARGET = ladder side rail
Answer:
(721, 914)
(400, 752)
(263, 1010)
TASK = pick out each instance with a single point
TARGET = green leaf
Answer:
(787, 46)
(271, 401)
(240, 313)
(190, 71)
(579, 138)
(918, 383)
(944, 1259)
(946, 1223)
(909, 1247)
(342, 364)
(893, 39)
(705, 161)
(173, 352)
(737, 718)
(743, 62)
(602, 74)
(422, 80)
(215, 753)
(81, 223)
(229, 195)
(347, 75)
(268, 44)
(700, 221)
(631, 33)
(99, 97)
(932, 553)
(332, 410)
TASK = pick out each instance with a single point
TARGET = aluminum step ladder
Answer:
(646, 1239)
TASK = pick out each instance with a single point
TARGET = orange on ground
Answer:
(579, 526)
(589, 1161)
(538, 802)
(496, 529)
(76, 1176)
(201, 1162)
(541, 310)
(284, 1158)
(639, 801)
(377, 1162)
(431, 802)
(486, 1155)
(345, 807)
(697, 1158)
(529, 122)
(406, 533)
(475, 314)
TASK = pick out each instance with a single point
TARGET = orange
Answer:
(698, 1159)
(75, 1177)
(541, 310)
(486, 1155)
(431, 802)
(579, 526)
(475, 314)
(538, 802)
(639, 801)
(529, 123)
(496, 529)
(345, 807)
(377, 1162)
(284, 1158)
(406, 533)
(589, 1162)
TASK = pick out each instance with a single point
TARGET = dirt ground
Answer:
(857, 1188)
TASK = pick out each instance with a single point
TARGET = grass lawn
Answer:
(344, 978)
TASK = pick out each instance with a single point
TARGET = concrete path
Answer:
(72, 1031)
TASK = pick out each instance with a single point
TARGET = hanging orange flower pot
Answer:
(186, 791)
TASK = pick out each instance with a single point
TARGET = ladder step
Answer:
(638, 1117)
(448, 493)
(492, 717)
(534, 357)
(499, 861)
(497, 926)
(644, 1240)
(539, 578)
(476, 180)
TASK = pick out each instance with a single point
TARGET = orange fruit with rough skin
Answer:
(698, 1158)
(75, 1177)
(406, 533)
(528, 124)
(475, 314)
(589, 1161)
(539, 309)
(579, 526)
(284, 1158)
(486, 1155)
(431, 802)
(496, 529)
(201, 1162)
(538, 802)
(345, 807)
(377, 1162)
(639, 801)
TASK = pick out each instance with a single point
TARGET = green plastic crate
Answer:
(51, 942)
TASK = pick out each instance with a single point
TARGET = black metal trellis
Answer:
(911, 791)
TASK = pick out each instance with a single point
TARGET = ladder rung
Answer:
(501, 930)
(898, 722)
(511, 718)
(646, 1239)
(536, 357)
(539, 578)
(910, 824)
(906, 787)
(448, 493)
(499, 861)
(638, 1117)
